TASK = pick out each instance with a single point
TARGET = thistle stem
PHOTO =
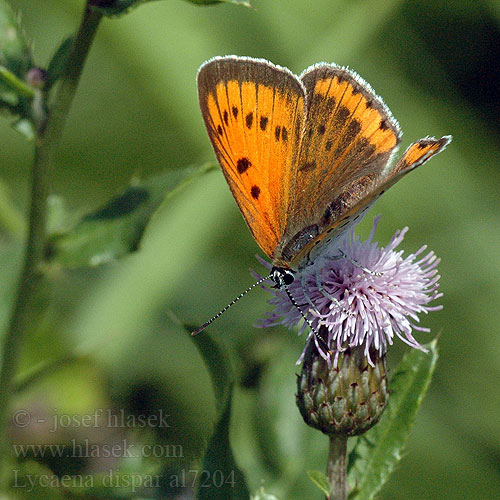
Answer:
(336, 468)
(23, 315)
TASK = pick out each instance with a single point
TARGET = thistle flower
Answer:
(362, 296)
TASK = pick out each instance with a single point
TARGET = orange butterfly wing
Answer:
(254, 114)
(352, 206)
(304, 158)
(349, 137)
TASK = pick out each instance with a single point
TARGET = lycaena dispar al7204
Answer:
(304, 156)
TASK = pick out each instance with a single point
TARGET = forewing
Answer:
(254, 114)
(349, 134)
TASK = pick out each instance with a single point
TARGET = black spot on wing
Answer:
(219, 129)
(284, 133)
(277, 132)
(235, 111)
(255, 192)
(349, 135)
(243, 164)
(249, 120)
(342, 114)
(263, 122)
(226, 117)
(310, 165)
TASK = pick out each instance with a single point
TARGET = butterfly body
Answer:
(304, 156)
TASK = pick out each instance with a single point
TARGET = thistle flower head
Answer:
(364, 295)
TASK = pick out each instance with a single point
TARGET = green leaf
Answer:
(320, 480)
(31, 480)
(15, 61)
(243, 3)
(220, 477)
(116, 229)
(114, 8)
(15, 54)
(378, 451)
(58, 62)
(218, 366)
(11, 219)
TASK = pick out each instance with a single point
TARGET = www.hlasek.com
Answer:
(133, 482)
(87, 449)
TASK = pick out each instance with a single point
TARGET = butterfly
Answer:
(304, 156)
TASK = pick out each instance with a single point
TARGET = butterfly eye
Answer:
(282, 277)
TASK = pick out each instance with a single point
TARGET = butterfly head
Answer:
(282, 277)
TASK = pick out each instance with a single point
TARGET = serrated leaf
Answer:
(116, 229)
(58, 62)
(378, 451)
(220, 477)
(320, 480)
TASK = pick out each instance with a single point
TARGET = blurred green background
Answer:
(435, 63)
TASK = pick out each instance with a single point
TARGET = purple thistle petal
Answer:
(357, 307)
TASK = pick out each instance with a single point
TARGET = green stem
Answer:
(48, 135)
(336, 470)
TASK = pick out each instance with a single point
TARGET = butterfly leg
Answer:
(321, 341)
(329, 296)
(343, 255)
(303, 280)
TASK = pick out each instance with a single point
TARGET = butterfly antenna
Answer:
(222, 311)
(320, 339)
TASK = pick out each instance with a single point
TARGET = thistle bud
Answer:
(343, 396)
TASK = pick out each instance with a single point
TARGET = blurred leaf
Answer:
(320, 480)
(15, 61)
(244, 3)
(58, 62)
(117, 228)
(12, 88)
(262, 495)
(285, 443)
(11, 220)
(118, 7)
(34, 481)
(15, 54)
(220, 476)
(44, 369)
(58, 219)
(16, 97)
(115, 7)
(25, 127)
(218, 366)
(378, 451)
